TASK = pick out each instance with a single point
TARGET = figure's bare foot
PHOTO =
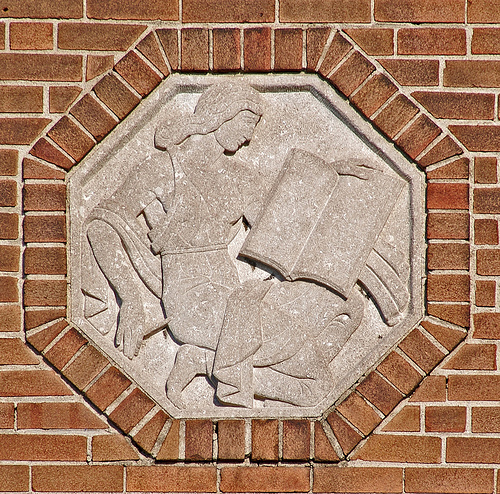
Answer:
(130, 328)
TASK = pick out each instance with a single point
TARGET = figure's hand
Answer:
(130, 330)
(354, 168)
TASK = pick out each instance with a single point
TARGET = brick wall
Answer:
(426, 73)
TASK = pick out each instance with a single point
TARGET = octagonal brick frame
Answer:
(374, 95)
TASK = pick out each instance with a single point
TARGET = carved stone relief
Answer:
(245, 246)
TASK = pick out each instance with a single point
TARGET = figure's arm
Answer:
(355, 168)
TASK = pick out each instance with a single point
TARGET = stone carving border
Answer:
(330, 54)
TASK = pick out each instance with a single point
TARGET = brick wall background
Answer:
(426, 73)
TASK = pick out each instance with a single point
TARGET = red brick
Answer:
(487, 325)
(19, 99)
(418, 136)
(323, 450)
(131, 410)
(406, 449)
(407, 420)
(166, 10)
(316, 39)
(447, 196)
(45, 292)
(14, 351)
(9, 226)
(44, 150)
(226, 49)
(107, 388)
(400, 373)
(8, 193)
(10, 317)
(352, 73)
(373, 41)
(85, 36)
(448, 337)
(347, 437)
(199, 435)
(78, 478)
(139, 75)
(71, 138)
(420, 11)
(40, 67)
(45, 260)
(432, 389)
(486, 293)
(85, 367)
(454, 313)
(9, 290)
(353, 479)
(170, 448)
(444, 149)
(31, 36)
(41, 339)
(486, 231)
(169, 42)
(116, 96)
(448, 256)
(431, 41)
(453, 226)
(9, 258)
(45, 228)
(488, 262)
(242, 11)
(380, 393)
(486, 41)
(150, 48)
(449, 480)
(264, 479)
(43, 9)
(463, 106)
(112, 448)
(44, 197)
(338, 49)
(26, 447)
(359, 413)
(472, 73)
(257, 49)
(421, 350)
(445, 419)
(473, 357)
(37, 317)
(171, 479)
(194, 49)
(288, 49)
(8, 161)
(60, 354)
(325, 11)
(14, 478)
(61, 97)
(93, 117)
(97, 65)
(474, 388)
(485, 170)
(264, 440)
(373, 94)
(35, 169)
(448, 287)
(147, 436)
(484, 138)
(487, 201)
(231, 439)
(57, 416)
(32, 383)
(296, 439)
(483, 11)
(473, 450)
(21, 130)
(413, 72)
(485, 419)
(395, 115)
(456, 169)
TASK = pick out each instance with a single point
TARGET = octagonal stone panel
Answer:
(245, 246)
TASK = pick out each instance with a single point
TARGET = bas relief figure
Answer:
(310, 239)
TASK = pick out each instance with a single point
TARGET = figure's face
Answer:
(231, 135)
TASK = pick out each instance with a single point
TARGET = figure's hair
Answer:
(218, 104)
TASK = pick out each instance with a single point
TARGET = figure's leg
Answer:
(118, 270)
(190, 362)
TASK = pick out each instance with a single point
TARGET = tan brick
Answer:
(228, 11)
(97, 65)
(347, 437)
(323, 450)
(481, 11)
(418, 136)
(352, 73)
(61, 97)
(231, 439)
(395, 115)
(137, 73)
(116, 96)
(288, 49)
(31, 36)
(166, 10)
(37, 317)
(21, 99)
(487, 325)
(432, 388)
(45, 150)
(485, 170)
(264, 440)
(257, 49)
(9, 289)
(150, 48)
(373, 41)
(199, 436)
(400, 373)
(296, 439)
(413, 72)
(473, 357)
(380, 393)
(359, 413)
(43, 9)
(456, 169)
(448, 256)
(485, 419)
(9, 157)
(445, 419)
(373, 94)
(169, 41)
(107, 388)
(431, 41)
(448, 337)
(131, 410)
(473, 388)
(316, 39)
(488, 262)
(353, 479)
(325, 11)
(9, 258)
(45, 292)
(170, 448)
(112, 448)
(407, 420)
(473, 450)
(14, 478)
(147, 436)
(226, 49)
(14, 351)
(85, 367)
(40, 67)
(93, 117)
(10, 318)
(32, 383)
(60, 354)
(421, 350)
(486, 293)
(71, 138)
(420, 11)
(194, 49)
(45, 228)
(45, 260)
